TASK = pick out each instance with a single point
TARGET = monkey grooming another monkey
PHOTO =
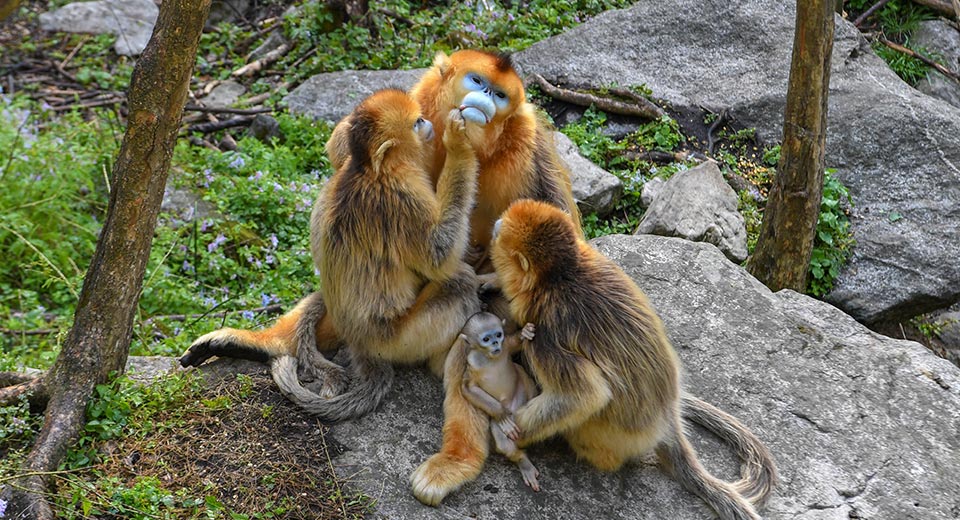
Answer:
(609, 377)
(496, 385)
(389, 248)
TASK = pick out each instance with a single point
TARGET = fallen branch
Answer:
(910, 52)
(644, 108)
(206, 128)
(225, 110)
(17, 378)
(943, 7)
(268, 58)
(866, 14)
(35, 391)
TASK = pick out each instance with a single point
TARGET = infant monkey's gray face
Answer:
(491, 339)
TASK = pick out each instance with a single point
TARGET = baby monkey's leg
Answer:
(516, 455)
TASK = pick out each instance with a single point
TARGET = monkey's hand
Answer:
(488, 282)
(509, 427)
(455, 132)
(475, 255)
(528, 332)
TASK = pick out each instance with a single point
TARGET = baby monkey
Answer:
(496, 385)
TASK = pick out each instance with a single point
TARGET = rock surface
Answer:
(940, 38)
(595, 189)
(895, 148)
(861, 425)
(131, 20)
(333, 95)
(225, 94)
(698, 205)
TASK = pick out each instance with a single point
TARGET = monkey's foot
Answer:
(530, 474)
(218, 343)
(441, 475)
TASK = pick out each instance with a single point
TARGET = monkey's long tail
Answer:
(369, 383)
(758, 473)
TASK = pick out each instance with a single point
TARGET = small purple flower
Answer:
(237, 162)
(510, 16)
(212, 246)
(209, 301)
(204, 225)
(3, 507)
(256, 176)
(207, 177)
(273, 240)
(269, 259)
(187, 268)
(247, 315)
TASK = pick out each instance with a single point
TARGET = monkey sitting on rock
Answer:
(496, 385)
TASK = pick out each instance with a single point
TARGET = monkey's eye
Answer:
(499, 335)
(501, 95)
(476, 80)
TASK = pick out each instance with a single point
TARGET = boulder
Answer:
(861, 425)
(333, 95)
(225, 94)
(941, 39)
(895, 148)
(131, 20)
(595, 189)
(698, 205)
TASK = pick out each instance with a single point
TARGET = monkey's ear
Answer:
(524, 263)
(377, 158)
(442, 62)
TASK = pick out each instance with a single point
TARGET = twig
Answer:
(207, 128)
(910, 52)
(268, 309)
(268, 58)
(44, 258)
(92, 104)
(29, 332)
(73, 53)
(224, 110)
(866, 14)
(396, 16)
(313, 50)
(647, 109)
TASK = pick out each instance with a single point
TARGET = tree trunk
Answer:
(103, 324)
(782, 257)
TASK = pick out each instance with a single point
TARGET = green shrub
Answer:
(834, 240)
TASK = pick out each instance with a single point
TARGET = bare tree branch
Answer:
(642, 107)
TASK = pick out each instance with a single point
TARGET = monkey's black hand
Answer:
(204, 349)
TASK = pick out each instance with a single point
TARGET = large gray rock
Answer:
(940, 38)
(333, 95)
(131, 20)
(596, 190)
(698, 205)
(897, 149)
(861, 425)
